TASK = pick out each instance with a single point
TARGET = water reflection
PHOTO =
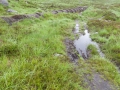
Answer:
(76, 28)
(83, 42)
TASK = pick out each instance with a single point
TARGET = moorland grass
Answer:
(28, 55)
(107, 37)
(28, 48)
(108, 32)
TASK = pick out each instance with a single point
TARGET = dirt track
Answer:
(16, 18)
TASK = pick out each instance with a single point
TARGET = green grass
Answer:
(28, 55)
(28, 48)
(93, 50)
(107, 37)
(108, 31)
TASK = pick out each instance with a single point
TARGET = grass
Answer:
(26, 51)
(93, 50)
(108, 32)
(32, 52)
(107, 26)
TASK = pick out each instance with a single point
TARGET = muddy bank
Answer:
(71, 51)
(17, 18)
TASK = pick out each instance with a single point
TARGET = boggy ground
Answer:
(108, 28)
(33, 53)
(91, 79)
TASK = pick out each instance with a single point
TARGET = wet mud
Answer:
(71, 51)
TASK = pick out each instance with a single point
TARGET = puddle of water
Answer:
(83, 42)
(76, 28)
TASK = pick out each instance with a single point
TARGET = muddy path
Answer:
(97, 82)
(79, 45)
(16, 18)
(94, 80)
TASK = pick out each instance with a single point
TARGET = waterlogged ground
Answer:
(39, 53)
(83, 42)
(84, 46)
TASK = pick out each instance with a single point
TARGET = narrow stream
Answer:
(84, 41)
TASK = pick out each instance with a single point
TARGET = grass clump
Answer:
(101, 24)
(9, 49)
(104, 32)
(99, 39)
(110, 16)
(93, 50)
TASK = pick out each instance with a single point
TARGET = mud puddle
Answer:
(92, 81)
(79, 46)
(84, 41)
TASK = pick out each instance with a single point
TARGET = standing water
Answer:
(83, 42)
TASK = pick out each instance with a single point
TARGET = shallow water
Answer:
(83, 42)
